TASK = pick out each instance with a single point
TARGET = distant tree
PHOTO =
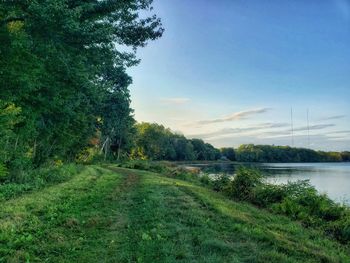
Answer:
(155, 142)
(345, 156)
(229, 153)
(269, 153)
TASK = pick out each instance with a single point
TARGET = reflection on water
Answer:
(330, 178)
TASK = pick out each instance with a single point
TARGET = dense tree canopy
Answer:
(270, 153)
(62, 75)
(155, 142)
(228, 153)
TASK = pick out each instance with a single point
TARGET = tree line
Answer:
(63, 80)
(271, 153)
(155, 142)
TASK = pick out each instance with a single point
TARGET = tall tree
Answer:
(61, 62)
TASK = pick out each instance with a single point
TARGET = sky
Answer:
(236, 71)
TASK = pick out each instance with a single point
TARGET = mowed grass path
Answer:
(109, 214)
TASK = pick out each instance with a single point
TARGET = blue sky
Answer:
(229, 72)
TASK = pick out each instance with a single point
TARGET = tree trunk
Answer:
(119, 147)
(106, 148)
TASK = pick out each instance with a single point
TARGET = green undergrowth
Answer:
(33, 180)
(113, 214)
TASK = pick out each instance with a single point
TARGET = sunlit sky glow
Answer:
(230, 71)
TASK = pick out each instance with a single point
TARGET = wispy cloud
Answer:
(336, 117)
(243, 130)
(314, 127)
(175, 100)
(235, 116)
(287, 132)
(339, 132)
(339, 138)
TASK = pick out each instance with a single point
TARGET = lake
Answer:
(330, 178)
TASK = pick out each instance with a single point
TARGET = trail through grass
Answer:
(111, 214)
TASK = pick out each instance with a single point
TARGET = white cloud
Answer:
(314, 127)
(336, 117)
(242, 130)
(235, 116)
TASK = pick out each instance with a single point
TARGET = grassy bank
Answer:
(110, 214)
(300, 201)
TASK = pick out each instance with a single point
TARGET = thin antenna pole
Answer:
(291, 125)
(308, 127)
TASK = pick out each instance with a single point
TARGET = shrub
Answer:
(205, 179)
(243, 184)
(264, 195)
(307, 202)
(340, 229)
(220, 182)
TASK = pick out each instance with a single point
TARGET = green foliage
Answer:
(270, 153)
(220, 182)
(265, 195)
(155, 142)
(33, 180)
(298, 200)
(302, 202)
(340, 228)
(243, 184)
(3, 173)
(12, 152)
(205, 179)
(228, 153)
(205, 151)
(345, 156)
(63, 70)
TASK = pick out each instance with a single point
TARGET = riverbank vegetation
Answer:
(299, 200)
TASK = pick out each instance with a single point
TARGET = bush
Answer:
(243, 184)
(303, 202)
(220, 182)
(205, 179)
(264, 195)
(340, 229)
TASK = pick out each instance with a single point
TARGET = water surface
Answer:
(330, 178)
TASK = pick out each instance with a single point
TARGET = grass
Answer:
(110, 214)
